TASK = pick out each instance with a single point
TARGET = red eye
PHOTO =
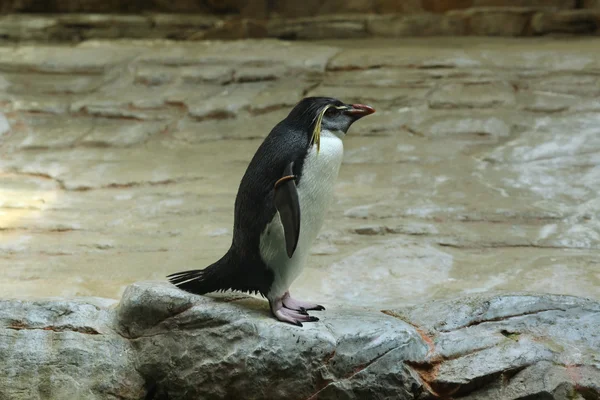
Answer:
(331, 111)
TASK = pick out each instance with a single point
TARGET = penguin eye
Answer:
(332, 112)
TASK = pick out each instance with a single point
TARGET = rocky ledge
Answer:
(161, 343)
(530, 18)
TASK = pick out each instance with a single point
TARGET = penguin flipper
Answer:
(288, 205)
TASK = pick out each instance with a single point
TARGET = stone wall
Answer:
(287, 8)
(71, 20)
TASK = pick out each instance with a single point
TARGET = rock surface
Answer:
(282, 7)
(161, 343)
(307, 20)
(120, 161)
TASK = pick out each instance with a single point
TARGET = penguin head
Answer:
(327, 114)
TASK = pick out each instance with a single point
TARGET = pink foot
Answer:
(299, 305)
(284, 314)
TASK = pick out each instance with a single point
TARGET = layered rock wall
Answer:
(121, 160)
(72, 20)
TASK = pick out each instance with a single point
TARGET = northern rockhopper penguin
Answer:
(280, 206)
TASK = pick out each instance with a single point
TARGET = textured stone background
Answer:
(291, 19)
(120, 161)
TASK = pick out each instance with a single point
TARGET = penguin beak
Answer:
(359, 110)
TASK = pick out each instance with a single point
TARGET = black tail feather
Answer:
(226, 274)
(216, 277)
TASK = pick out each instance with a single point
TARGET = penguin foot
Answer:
(299, 305)
(295, 317)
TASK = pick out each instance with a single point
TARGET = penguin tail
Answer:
(215, 277)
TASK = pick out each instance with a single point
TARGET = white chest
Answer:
(319, 174)
(315, 192)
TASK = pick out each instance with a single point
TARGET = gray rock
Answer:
(163, 343)
(472, 96)
(586, 21)
(496, 21)
(330, 26)
(416, 25)
(58, 349)
(230, 347)
(509, 346)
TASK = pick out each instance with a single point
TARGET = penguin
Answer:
(280, 207)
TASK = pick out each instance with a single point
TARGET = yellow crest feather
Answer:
(316, 136)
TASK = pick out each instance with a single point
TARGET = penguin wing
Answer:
(288, 205)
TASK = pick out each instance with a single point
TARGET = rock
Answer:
(4, 124)
(547, 102)
(153, 75)
(446, 6)
(111, 133)
(296, 58)
(401, 7)
(479, 343)
(390, 57)
(591, 4)
(44, 132)
(260, 8)
(345, 7)
(98, 165)
(101, 26)
(485, 95)
(539, 4)
(65, 349)
(228, 103)
(425, 24)
(581, 86)
(223, 6)
(161, 342)
(233, 28)
(230, 347)
(335, 19)
(218, 74)
(370, 230)
(36, 86)
(505, 21)
(43, 103)
(25, 27)
(85, 60)
(586, 21)
(101, 6)
(176, 21)
(334, 27)
(457, 124)
(194, 131)
(443, 6)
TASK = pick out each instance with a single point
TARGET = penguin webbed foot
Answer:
(294, 317)
(299, 305)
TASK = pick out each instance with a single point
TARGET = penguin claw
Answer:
(301, 310)
(315, 308)
(299, 305)
(294, 317)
